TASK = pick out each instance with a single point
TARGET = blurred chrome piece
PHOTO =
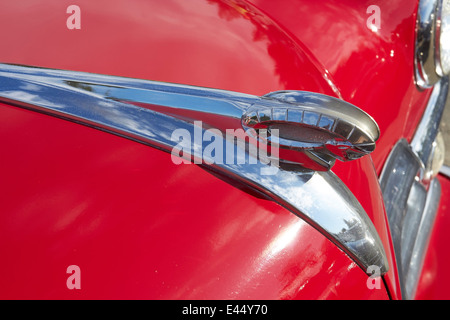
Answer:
(436, 160)
(404, 199)
(419, 246)
(432, 50)
(324, 126)
(445, 170)
(428, 128)
(444, 41)
(411, 192)
(127, 108)
(411, 209)
(425, 64)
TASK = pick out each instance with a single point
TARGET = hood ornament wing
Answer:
(322, 127)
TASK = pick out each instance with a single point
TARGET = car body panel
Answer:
(73, 195)
(252, 47)
(203, 43)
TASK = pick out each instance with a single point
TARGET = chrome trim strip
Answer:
(427, 130)
(102, 102)
(423, 237)
(410, 209)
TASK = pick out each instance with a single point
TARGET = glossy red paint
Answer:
(241, 50)
(373, 69)
(435, 277)
(123, 213)
(232, 45)
(211, 43)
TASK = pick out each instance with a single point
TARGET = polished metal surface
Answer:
(428, 128)
(312, 146)
(428, 67)
(150, 112)
(309, 122)
(419, 247)
(409, 206)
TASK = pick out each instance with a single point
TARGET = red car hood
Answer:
(227, 45)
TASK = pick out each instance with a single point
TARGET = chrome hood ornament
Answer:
(321, 127)
(150, 112)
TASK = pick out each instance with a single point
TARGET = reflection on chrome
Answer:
(323, 127)
(431, 48)
(149, 112)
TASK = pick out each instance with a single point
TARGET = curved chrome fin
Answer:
(150, 112)
(320, 126)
